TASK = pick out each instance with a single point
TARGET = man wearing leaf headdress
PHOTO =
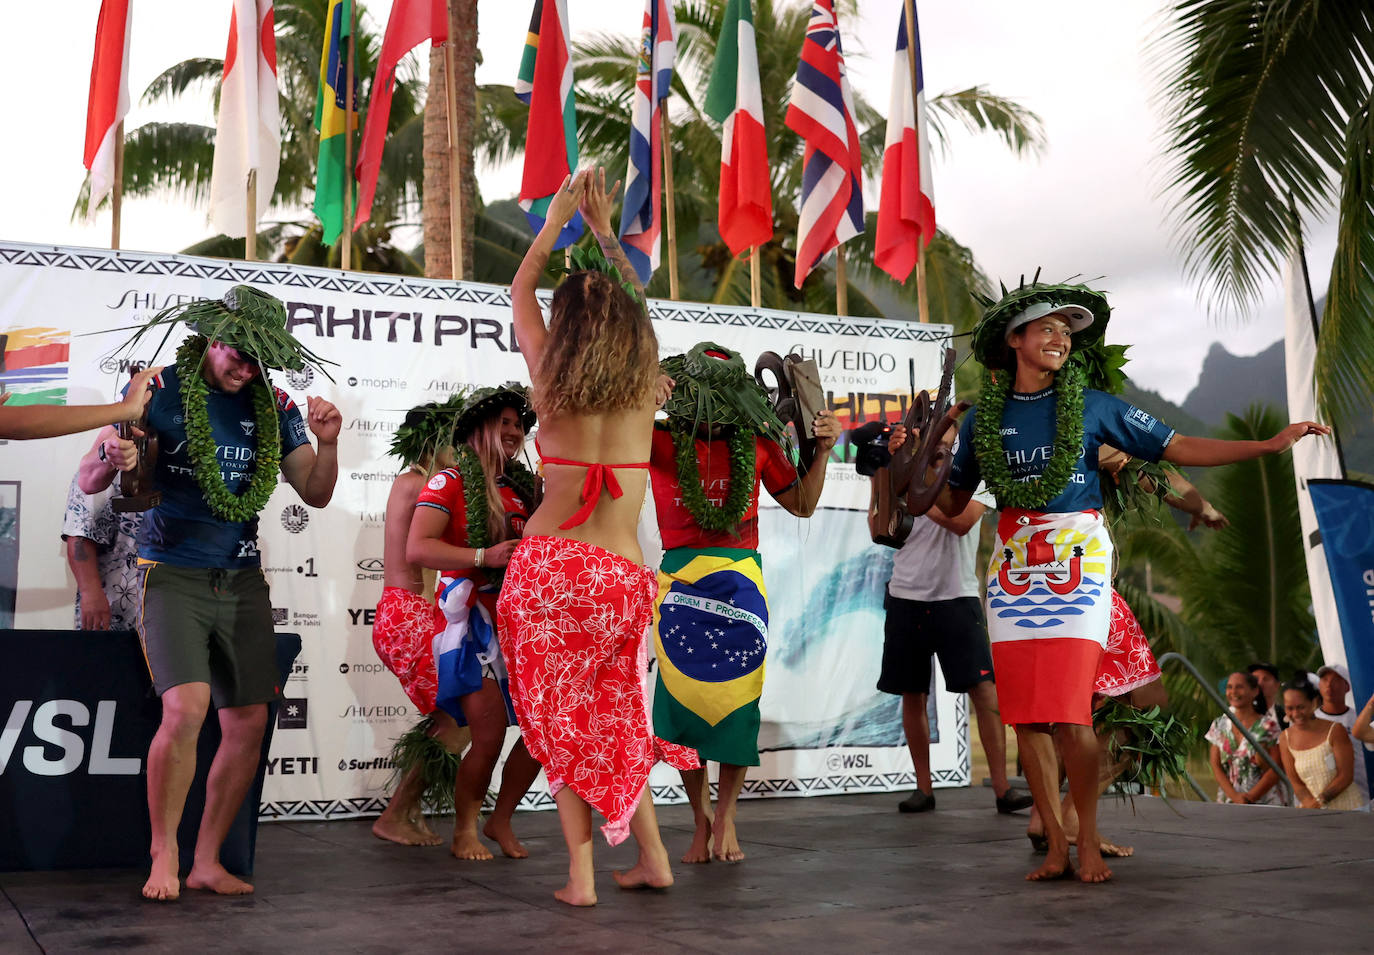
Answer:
(206, 617)
(1035, 438)
(720, 443)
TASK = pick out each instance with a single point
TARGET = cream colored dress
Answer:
(1316, 767)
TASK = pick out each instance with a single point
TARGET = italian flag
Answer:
(735, 100)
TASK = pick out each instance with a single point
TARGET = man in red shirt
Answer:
(711, 615)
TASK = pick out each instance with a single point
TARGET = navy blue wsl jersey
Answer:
(182, 530)
(1028, 428)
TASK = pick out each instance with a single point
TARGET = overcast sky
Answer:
(1090, 206)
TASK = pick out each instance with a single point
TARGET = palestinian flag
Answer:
(735, 100)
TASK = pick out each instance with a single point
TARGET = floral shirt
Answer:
(93, 517)
(1243, 767)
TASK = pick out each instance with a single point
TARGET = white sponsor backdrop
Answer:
(400, 342)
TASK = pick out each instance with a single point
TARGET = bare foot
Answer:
(575, 895)
(163, 884)
(1115, 851)
(724, 842)
(466, 845)
(213, 877)
(404, 832)
(699, 850)
(651, 872)
(504, 836)
(1055, 867)
(1091, 868)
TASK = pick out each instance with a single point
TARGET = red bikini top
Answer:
(599, 476)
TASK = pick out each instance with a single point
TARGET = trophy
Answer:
(919, 469)
(796, 395)
(136, 490)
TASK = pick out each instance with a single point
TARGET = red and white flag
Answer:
(109, 100)
(906, 205)
(822, 114)
(410, 24)
(734, 99)
(248, 129)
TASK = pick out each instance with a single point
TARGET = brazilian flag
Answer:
(331, 171)
(711, 637)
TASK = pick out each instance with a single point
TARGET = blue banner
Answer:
(1345, 517)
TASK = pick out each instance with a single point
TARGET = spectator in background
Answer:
(1242, 774)
(1334, 683)
(102, 552)
(932, 607)
(1272, 687)
(1317, 755)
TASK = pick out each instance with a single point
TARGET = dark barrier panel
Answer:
(78, 715)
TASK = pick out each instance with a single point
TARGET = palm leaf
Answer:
(980, 111)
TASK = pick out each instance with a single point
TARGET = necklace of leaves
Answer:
(200, 441)
(1068, 441)
(477, 509)
(742, 473)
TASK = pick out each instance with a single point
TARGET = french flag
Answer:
(906, 207)
(640, 224)
(822, 114)
(109, 99)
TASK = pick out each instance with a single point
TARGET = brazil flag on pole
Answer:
(330, 106)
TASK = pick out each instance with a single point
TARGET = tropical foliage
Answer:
(1243, 589)
(1267, 100)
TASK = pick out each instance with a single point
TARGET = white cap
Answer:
(1077, 316)
(1336, 668)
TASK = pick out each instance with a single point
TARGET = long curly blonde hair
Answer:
(601, 353)
(486, 441)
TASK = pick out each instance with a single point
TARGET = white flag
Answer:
(248, 129)
(1314, 456)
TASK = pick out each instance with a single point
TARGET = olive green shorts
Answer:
(206, 625)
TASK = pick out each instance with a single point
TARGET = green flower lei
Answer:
(200, 442)
(477, 509)
(742, 474)
(1068, 440)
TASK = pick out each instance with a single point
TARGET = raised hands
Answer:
(597, 201)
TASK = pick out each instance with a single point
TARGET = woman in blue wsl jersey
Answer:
(1034, 438)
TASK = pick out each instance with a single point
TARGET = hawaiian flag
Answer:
(410, 24)
(822, 114)
(545, 84)
(906, 207)
(109, 99)
(640, 223)
(248, 128)
(735, 99)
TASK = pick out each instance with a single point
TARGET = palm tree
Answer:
(604, 67)
(176, 158)
(462, 31)
(1267, 100)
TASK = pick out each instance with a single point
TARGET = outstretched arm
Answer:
(530, 331)
(1210, 452)
(596, 212)
(25, 422)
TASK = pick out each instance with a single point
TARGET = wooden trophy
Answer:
(796, 395)
(920, 468)
(136, 489)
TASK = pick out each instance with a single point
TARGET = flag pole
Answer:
(117, 196)
(455, 204)
(841, 283)
(669, 212)
(250, 237)
(346, 253)
(922, 303)
(755, 285)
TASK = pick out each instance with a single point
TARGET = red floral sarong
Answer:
(403, 636)
(572, 619)
(1127, 663)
